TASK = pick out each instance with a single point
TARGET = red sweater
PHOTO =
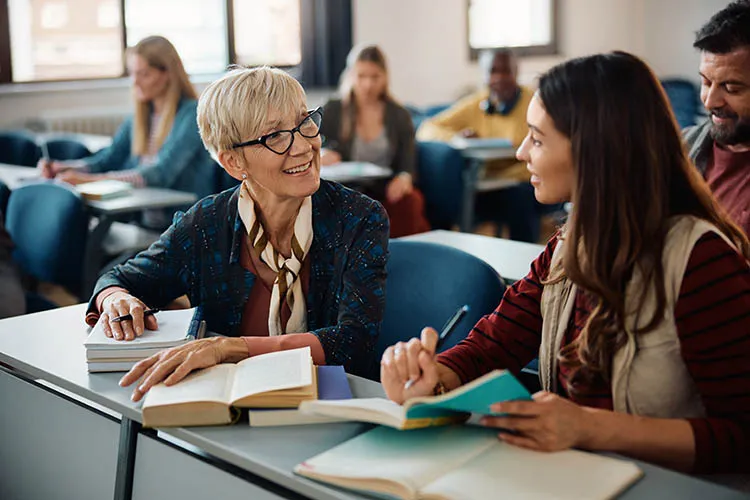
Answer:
(727, 176)
(713, 323)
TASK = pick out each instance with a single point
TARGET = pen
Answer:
(127, 317)
(449, 326)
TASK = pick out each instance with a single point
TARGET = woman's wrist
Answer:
(232, 349)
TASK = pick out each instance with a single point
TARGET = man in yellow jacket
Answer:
(499, 110)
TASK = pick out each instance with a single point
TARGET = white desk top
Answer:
(138, 199)
(49, 346)
(483, 149)
(511, 259)
(354, 171)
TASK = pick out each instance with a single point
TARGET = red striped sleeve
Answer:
(713, 323)
(509, 337)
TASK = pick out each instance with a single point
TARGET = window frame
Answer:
(316, 8)
(550, 49)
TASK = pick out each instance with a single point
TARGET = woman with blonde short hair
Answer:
(282, 261)
(159, 145)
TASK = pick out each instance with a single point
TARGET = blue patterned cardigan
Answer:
(199, 255)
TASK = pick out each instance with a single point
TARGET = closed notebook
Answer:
(332, 385)
(455, 406)
(106, 354)
(464, 462)
(206, 397)
(104, 190)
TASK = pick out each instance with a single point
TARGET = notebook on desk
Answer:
(104, 189)
(460, 462)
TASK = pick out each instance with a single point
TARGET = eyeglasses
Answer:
(281, 141)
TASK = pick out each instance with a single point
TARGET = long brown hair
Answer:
(631, 174)
(363, 53)
(160, 54)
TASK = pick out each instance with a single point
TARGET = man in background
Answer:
(720, 147)
(496, 111)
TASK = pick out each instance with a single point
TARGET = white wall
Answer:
(425, 41)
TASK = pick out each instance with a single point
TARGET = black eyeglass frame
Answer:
(263, 139)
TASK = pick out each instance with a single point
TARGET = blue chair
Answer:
(66, 149)
(19, 148)
(4, 197)
(427, 283)
(439, 177)
(48, 223)
(685, 99)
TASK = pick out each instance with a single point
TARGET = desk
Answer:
(93, 142)
(476, 154)
(106, 211)
(179, 463)
(511, 259)
(348, 172)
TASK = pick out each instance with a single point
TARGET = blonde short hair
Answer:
(236, 106)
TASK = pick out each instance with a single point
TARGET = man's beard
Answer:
(731, 135)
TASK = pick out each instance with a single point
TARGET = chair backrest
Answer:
(18, 148)
(4, 197)
(440, 178)
(48, 223)
(684, 97)
(427, 283)
(66, 149)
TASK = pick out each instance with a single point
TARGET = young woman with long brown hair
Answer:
(637, 308)
(367, 124)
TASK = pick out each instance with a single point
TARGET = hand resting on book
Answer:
(172, 365)
(119, 304)
(413, 360)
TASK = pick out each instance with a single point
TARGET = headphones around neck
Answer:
(502, 108)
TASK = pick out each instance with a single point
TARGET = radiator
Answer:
(95, 121)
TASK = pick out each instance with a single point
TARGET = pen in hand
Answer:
(447, 329)
(129, 317)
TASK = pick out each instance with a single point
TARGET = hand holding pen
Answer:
(125, 317)
(447, 329)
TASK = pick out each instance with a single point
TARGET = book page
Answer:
(411, 458)
(374, 410)
(210, 384)
(173, 329)
(272, 372)
(516, 473)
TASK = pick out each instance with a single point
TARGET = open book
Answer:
(275, 380)
(461, 462)
(332, 384)
(104, 189)
(456, 406)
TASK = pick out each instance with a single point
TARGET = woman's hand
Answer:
(549, 423)
(410, 361)
(49, 169)
(329, 157)
(172, 365)
(120, 304)
(73, 176)
(400, 186)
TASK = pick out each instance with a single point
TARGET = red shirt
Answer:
(728, 176)
(712, 316)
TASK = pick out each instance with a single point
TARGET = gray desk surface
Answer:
(354, 171)
(49, 346)
(480, 150)
(139, 199)
(511, 259)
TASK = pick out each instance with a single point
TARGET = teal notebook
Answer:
(455, 406)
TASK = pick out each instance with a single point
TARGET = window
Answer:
(526, 26)
(84, 39)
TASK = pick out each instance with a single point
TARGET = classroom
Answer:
(351, 249)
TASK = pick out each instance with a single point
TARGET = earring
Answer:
(244, 176)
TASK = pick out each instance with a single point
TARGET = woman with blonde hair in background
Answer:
(159, 145)
(367, 124)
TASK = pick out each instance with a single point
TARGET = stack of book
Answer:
(104, 189)
(105, 354)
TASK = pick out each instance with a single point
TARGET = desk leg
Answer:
(470, 175)
(93, 255)
(126, 459)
